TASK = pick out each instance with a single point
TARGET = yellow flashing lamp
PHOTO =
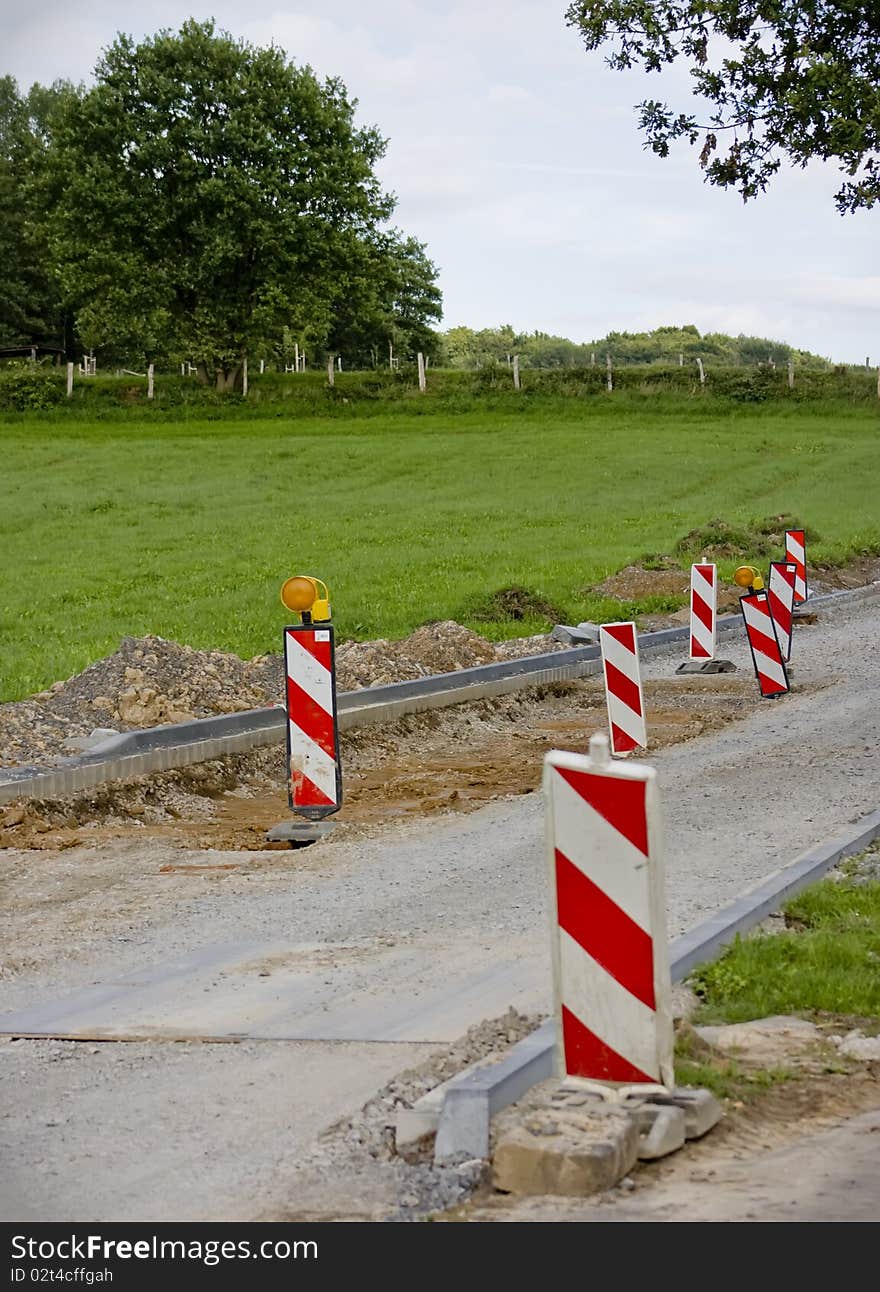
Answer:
(746, 576)
(307, 596)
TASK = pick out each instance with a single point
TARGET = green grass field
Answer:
(187, 529)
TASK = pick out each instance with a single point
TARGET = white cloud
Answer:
(516, 156)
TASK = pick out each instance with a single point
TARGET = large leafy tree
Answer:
(781, 79)
(206, 194)
(30, 306)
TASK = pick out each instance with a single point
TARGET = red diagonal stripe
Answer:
(780, 610)
(305, 793)
(697, 648)
(623, 633)
(763, 644)
(769, 686)
(621, 741)
(619, 800)
(588, 1056)
(706, 571)
(702, 610)
(623, 687)
(604, 931)
(304, 713)
(320, 650)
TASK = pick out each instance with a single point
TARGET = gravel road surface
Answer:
(366, 953)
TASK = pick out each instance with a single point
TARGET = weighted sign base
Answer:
(299, 834)
(707, 666)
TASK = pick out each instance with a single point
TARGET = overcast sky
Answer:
(515, 155)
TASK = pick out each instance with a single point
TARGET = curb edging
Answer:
(162, 749)
(476, 1094)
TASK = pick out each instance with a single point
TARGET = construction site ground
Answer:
(156, 911)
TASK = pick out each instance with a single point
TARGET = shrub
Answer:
(25, 389)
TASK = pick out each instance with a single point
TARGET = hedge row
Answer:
(25, 389)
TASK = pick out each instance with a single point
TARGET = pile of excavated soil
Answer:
(635, 582)
(147, 682)
(434, 648)
(150, 681)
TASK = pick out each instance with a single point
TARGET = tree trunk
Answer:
(201, 374)
(227, 379)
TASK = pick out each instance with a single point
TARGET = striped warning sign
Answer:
(796, 553)
(623, 687)
(781, 593)
(610, 956)
(704, 599)
(764, 644)
(315, 782)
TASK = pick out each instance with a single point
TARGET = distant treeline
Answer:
(462, 347)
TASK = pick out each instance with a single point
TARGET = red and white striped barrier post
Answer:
(796, 553)
(704, 602)
(764, 644)
(783, 575)
(623, 687)
(315, 779)
(608, 925)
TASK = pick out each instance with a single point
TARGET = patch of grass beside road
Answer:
(824, 964)
(826, 960)
(186, 529)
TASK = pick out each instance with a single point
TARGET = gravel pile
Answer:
(362, 1146)
(147, 682)
(150, 681)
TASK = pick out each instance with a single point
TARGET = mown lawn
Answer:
(188, 529)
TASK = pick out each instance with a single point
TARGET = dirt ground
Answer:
(805, 1148)
(447, 760)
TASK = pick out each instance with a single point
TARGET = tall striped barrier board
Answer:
(314, 776)
(608, 925)
(623, 687)
(764, 644)
(780, 589)
(796, 553)
(704, 603)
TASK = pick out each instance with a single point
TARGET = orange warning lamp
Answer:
(307, 596)
(746, 576)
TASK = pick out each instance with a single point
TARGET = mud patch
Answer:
(453, 759)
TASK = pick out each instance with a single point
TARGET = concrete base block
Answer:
(707, 666)
(662, 1128)
(299, 833)
(700, 1108)
(584, 634)
(571, 1152)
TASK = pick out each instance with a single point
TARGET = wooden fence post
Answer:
(609, 381)
(70, 380)
(680, 359)
(244, 383)
(296, 356)
(421, 362)
(791, 374)
(516, 372)
(262, 366)
(702, 373)
(150, 382)
(331, 376)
